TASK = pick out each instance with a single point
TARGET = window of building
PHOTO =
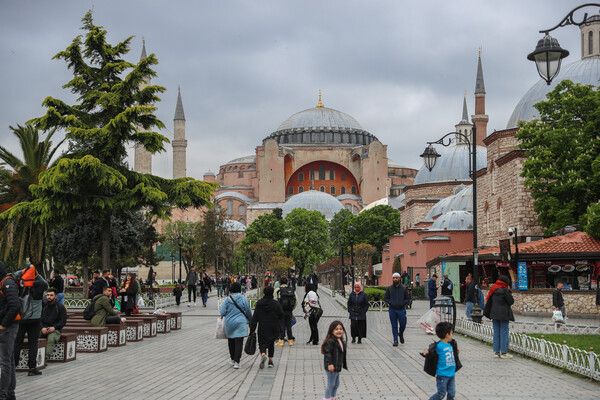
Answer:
(343, 190)
(332, 190)
(300, 189)
(301, 177)
(343, 176)
(312, 174)
(243, 221)
(590, 43)
(321, 172)
(322, 189)
(229, 208)
(241, 210)
(291, 190)
(331, 175)
(353, 189)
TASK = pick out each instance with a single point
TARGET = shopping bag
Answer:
(250, 346)
(558, 317)
(220, 331)
(117, 304)
(140, 302)
(429, 320)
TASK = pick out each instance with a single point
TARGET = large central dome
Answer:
(321, 126)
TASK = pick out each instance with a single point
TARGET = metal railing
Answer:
(583, 362)
(159, 300)
(375, 305)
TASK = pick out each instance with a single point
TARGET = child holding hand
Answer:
(334, 349)
(442, 361)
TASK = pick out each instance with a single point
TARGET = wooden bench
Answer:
(117, 333)
(24, 355)
(149, 321)
(163, 323)
(89, 339)
(65, 350)
(175, 320)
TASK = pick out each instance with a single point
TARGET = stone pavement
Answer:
(191, 364)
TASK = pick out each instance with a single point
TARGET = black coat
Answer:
(54, 315)
(131, 294)
(268, 315)
(358, 305)
(10, 304)
(447, 287)
(57, 283)
(335, 355)
(470, 293)
(498, 306)
(397, 297)
(557, 299)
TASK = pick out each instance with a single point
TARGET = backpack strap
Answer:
(238, 307)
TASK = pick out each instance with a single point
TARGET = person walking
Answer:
(447, 290)
(470, 296)
(397, 297)
(288, 299)
(268, 315)
(237, 313)
(558, 302)
(128, 294)
(357, 306)
(446, 360)
(54, 318)
(311, 303)
(498, 308)
(418, 279)
(205, 284)
(432, 290)
(191, 281)
(334, 350)
(220, 285)
(177, 292)
(10, 306)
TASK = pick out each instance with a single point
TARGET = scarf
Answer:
(499, 284)
(360, 287)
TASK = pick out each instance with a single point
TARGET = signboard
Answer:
(522, 275)
(505, 250)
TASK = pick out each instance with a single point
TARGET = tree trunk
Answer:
(105, 238)
(86, 277)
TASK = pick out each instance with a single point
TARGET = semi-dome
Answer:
(453, 221)
(460, 201)
(585, 71)
(313, 200)
(452, 166)
(232, 225)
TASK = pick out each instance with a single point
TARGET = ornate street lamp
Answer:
(342, 239)
(548, 54)
(180, 244)
(351, 230)
(204, 245)
(430, 157)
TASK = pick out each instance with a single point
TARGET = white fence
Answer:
(586, 363)
(378, 305)
(160, 300)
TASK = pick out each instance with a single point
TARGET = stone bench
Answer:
(89, 339)
(24, 355)
(150, 323)
(65, 350)
(117, 333)
(176, 320)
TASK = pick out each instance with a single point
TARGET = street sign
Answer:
(522, 275)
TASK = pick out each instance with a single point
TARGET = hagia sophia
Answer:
(322, 158)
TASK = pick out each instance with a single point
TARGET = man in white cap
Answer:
(397, 297)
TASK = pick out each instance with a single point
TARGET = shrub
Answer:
(418, 292)
(375, 293)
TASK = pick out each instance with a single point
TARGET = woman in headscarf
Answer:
(237, 313)
(268, 315)
(312, 311)
(358, 304)
(497, 308)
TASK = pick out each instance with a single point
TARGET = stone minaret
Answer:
(480, 119)
(179, 142)
(590, 37)
(464, 126)
(142, 159)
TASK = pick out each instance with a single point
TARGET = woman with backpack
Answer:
(358, 304)
(267, 315)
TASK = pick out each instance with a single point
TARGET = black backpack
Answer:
(90, 310)
(287, 298)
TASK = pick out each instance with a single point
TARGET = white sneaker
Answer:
(231, 362)
(505, 355)
(236, 365)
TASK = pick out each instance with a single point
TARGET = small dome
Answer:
(453, 221)
(232, 225)
(313, 200)
(251, 159)
(235, 195)
(452, 166)
(585, 71)
(461, 201)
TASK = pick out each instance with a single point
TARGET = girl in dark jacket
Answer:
(358, 304)
(498, 309)
(268, 315)
(129, 293)
(334, 349)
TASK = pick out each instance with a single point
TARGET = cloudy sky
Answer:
(398, 67)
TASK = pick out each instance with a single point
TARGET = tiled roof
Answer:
(575, 242)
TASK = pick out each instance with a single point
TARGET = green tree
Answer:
(112, 112)
(338, 225)
(375, 226)
(266, 226)
(22, 236)
(308, 235)
(363, 253)
(562, 169)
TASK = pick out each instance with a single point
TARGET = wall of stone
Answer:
(535, 302)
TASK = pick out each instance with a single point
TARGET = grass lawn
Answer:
(583, 342)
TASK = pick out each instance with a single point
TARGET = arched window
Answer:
(312, 174)
(590, 43)
(311, 187)
(331, 175)
(353, 189)
(300, 189)
(321, 172)
(332, 190)
(301, 177)
(241, 210)
(229, 208)
(322, 189)
(343, 190)
(291, 190)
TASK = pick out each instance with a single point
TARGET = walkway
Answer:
(191, 364)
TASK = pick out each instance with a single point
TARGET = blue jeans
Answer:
(469, 309)
(204, 297)
(397, 317)
(333, 381)
(445, 385)
(500, 336)
(61, 298)
(8, 380)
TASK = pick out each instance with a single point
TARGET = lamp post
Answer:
(286, 243)
(430, 156)
(351, 230)
(342, 239)
(548, 54)
(172, 267)
(204, 256)
(180, 244)
(217, 250)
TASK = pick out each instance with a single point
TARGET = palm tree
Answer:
(20, 236)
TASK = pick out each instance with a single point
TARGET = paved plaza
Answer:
(191, 364)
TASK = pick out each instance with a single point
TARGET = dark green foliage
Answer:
(374, 294)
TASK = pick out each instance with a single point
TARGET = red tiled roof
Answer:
(575, 242)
